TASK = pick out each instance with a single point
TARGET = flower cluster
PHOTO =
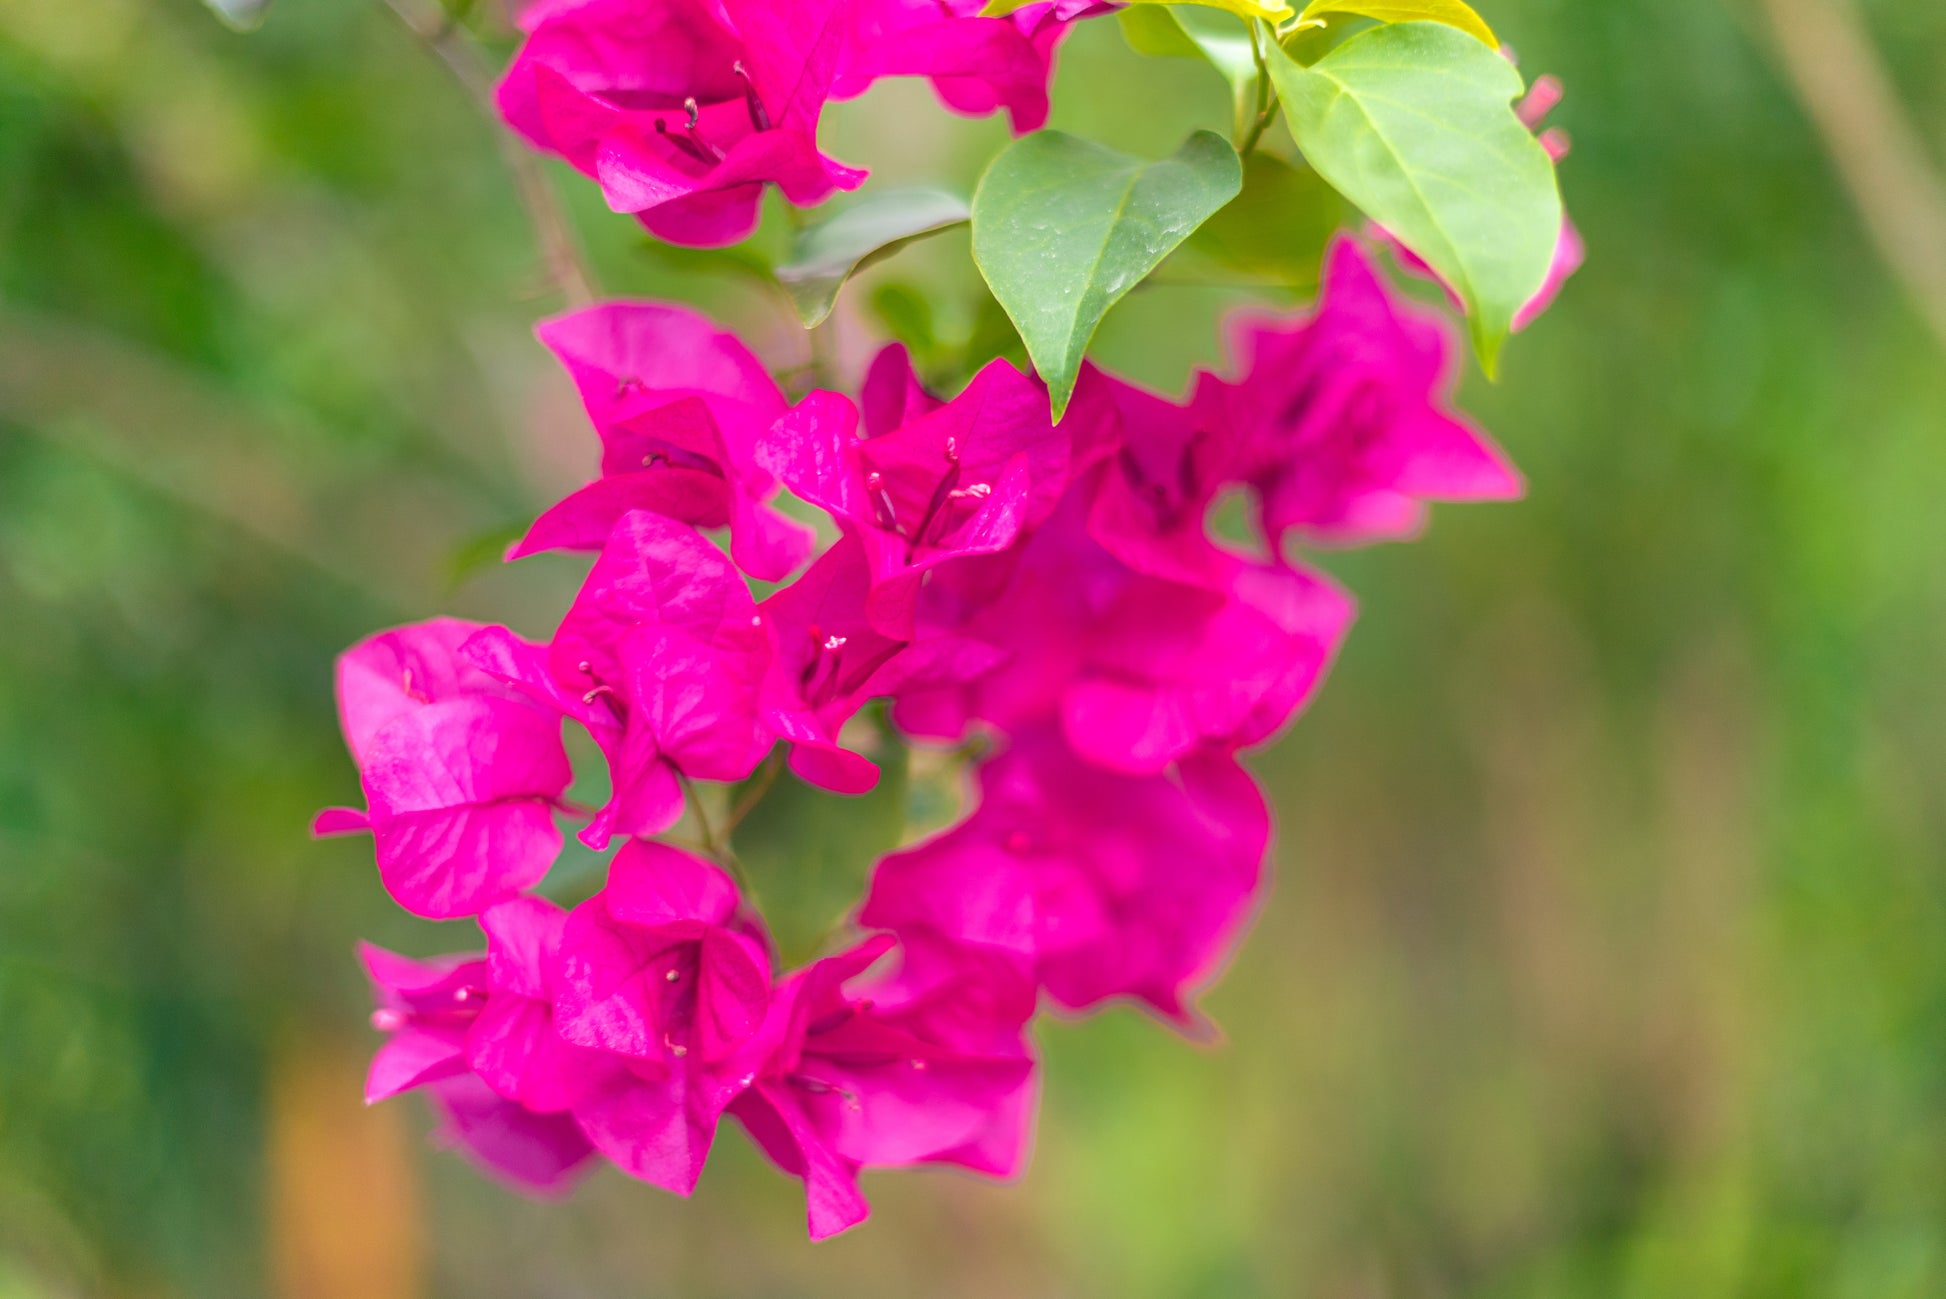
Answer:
(1053, 587)
(684, 110)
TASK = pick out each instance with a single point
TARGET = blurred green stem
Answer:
(447, 39)
(1266, 103)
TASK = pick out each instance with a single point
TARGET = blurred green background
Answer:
(1607, 949)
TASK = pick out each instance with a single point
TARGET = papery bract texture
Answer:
(461, 774)
(1345, 415)
(437, 1015)
(684, 110)
(680, 407)
(661, 972)
(830, 660)
(1100, 884)
(662, 657)
(883, 1073)
(1138, 671)
(957, 479)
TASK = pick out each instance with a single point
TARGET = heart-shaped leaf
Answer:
(1414, 123)
(868, 231)
(1454, 13)
(1062, 228)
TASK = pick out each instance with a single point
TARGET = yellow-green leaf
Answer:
(1414, 123)
(1454, 13)
(1275, 11)
(1272, 10)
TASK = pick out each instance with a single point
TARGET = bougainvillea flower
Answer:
(1170, 668)
(665, 654)
(680, 406)
(539, 1154)
(845, 1083)
(661, 972)
(1151, 506)
(684, 110)
(514, 1046)
(430, 1012)
(1137, 670)
(1103, 885)
(961, 479)
(891, 395)
(977, 65)
(462, 776)
(829, 660)
(1346, 418)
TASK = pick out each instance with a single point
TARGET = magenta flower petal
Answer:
(680, 407)
(682, 110)
(1105, 885)
(461, 797)
(654, 1129)
(1345, 415)
(462, 773)
(667, 656)
(649, 969)
(846, 1080)
(540, 1154)
(775, 1119)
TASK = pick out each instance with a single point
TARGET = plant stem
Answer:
(446, 39)
(1266, 102)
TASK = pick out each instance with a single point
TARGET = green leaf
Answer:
(242, 15)
(1454, 13)
(1414, 123)
(1275, 11)
(1164, 32)
(1062, 228)
(868, 231)
(1274, 232)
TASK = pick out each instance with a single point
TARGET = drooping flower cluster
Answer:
(1053, 587)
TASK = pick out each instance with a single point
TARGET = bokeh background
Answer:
(1606, 954)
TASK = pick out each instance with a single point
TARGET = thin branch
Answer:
(1839, 78)
(1266, 102)
(448, 40)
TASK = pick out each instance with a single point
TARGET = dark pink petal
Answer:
(412, 1059)
(1345, 416)
(383, 678)
(523, 938)
(462, 796)
(618, 350)
(1109, 885)
(583, 520)
(658, 1130)
(541, 1154)
(811, 449)
(661, 573)
(612, 986)
(339, 820)
(515, 1049)
(891, 395)
(653, 884)
(772, 1115)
